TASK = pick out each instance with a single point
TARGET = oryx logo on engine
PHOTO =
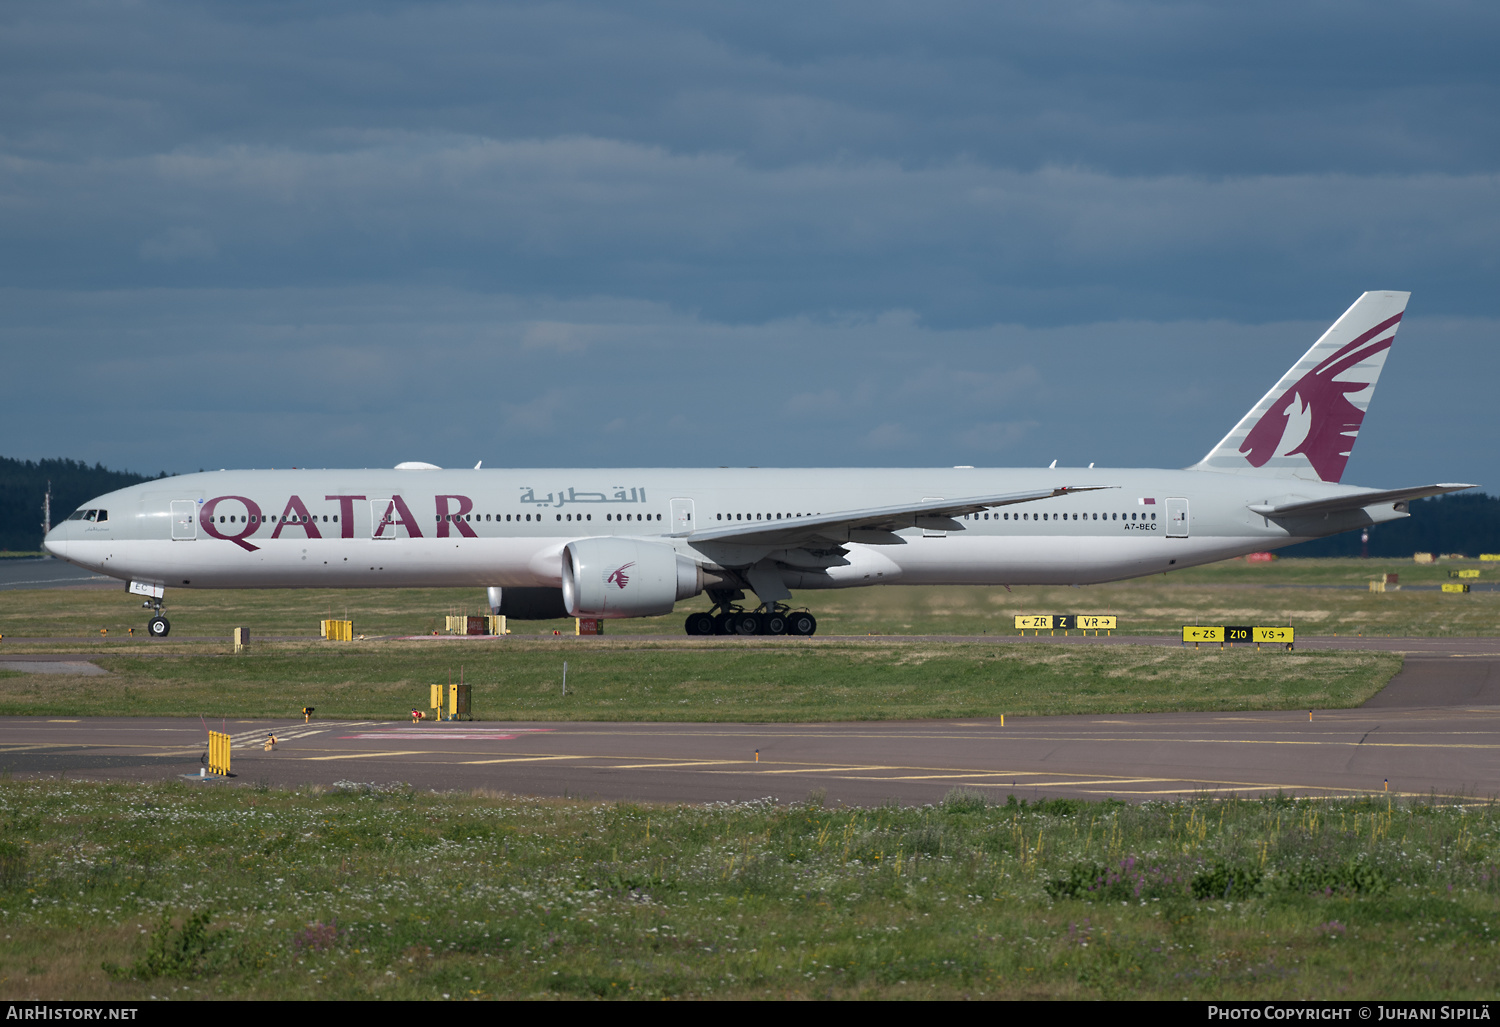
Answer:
(618, 575)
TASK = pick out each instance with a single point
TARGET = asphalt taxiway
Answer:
(1435, 730)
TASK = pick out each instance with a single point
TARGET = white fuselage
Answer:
(396, 528)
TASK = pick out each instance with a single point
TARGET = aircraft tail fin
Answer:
(1305, 427)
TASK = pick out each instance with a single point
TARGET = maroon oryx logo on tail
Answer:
(618, 575)
(1323, 403)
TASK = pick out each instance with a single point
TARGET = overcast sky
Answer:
(350, 234)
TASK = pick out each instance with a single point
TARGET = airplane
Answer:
(619, 542)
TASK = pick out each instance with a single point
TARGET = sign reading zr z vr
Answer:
(1065, 622)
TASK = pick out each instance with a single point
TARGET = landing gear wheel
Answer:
(801, 623)
(775, 623)
(744, 624)
(159, 627)
(721, 624)
(701, 624)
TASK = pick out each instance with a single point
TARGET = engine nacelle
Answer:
(624, 577)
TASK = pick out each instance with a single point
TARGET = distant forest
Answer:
(23, 483)
(1467, 523)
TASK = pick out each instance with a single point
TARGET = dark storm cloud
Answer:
(591, 233)
(958, 242)
(1137, 87)
(368, 376)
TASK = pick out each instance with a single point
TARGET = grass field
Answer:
(179, 891)
(701, 680)
(1320, 597)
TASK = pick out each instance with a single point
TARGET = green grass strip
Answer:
(130, 892)
(711, 680)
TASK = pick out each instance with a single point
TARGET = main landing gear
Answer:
(158, 626)
(729, 619)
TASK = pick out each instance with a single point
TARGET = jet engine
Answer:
(623, 577)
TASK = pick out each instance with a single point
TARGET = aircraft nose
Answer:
(56, 541)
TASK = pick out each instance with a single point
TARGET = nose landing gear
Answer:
(158, 626)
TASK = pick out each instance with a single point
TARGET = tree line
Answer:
(23, 484)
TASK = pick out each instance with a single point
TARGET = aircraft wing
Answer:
(1351, 501)
(876, 525)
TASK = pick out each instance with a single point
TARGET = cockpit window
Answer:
(91, 515)
(77, 515)
(103, 515)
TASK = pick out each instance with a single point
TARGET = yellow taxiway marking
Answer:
(530, 759)
(964, 774)
(367, 755)
(673, 766)
(1070, 784)
(821, 769)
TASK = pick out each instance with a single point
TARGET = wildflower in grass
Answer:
(318, 936)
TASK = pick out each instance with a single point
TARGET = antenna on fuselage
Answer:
(1052, 465)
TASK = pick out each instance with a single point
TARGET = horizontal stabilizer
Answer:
(792, 530)
(1351, 501)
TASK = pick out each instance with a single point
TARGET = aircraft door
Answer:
(682, 517)
(387, 520)
(184, 520)
(1177, 518)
